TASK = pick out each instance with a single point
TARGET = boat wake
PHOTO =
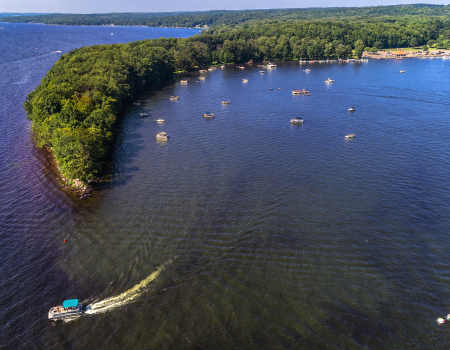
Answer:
(126, 297)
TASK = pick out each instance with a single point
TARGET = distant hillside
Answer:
(8, 14)
(214, 18)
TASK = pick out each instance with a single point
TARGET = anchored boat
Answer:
(296, 120)
(69, 308)
(162, 136)
(300, 92)
(208, 115)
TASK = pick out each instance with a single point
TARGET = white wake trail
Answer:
(126, 297)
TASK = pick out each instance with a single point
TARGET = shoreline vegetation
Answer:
(75, 107)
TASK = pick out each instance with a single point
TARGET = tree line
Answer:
(230, 18)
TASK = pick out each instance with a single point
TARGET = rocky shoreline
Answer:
(80, 189)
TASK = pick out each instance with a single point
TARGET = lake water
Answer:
(239, 232)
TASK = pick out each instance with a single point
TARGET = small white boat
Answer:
(296, 120)
(222, 66)
(174, 98)
(137, 103)
(69, 308)
(241, 67)
(160, 120)
(245, 80)
(351, 109)
(402, 71)
(211, 69)
(226, 102)
(300, 92)
(162, 136)
(183, 81)
(350, 136)
(262, 71)
(271, 65)
(329, 81)
(202, 71)
(307, 70)
(208, 115)
(202, 78)
(143, 114)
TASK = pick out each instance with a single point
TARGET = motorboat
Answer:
(296, 120)
(162, 136)
(226, 102)
(160, 120)
(143, 114)
(307, 70)
(245, 80)
(208, 115)
(329, 81)
(222, 66)
(137, 103)
(351, 109)
(241, 67)
(202, 78)
(202, 71)
(69, 308)
(211, 69)
(402, 71)
(271, 65)
(174, 98)
(350, 136)
(262, 71)
(183, 81)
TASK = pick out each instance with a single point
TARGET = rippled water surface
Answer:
(239, 232)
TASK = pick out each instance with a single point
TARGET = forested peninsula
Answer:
(75, 107)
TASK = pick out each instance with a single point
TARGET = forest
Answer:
(230, 18)
(75, 107)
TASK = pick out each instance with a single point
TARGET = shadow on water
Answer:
(128, 143)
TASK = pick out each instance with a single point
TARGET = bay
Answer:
(242, 231)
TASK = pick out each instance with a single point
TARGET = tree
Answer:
(413, 41)
(359, 48)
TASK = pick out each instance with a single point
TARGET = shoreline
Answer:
(81, 190)
(400, 54)
(103, 25)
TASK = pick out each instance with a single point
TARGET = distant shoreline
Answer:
(104, 25)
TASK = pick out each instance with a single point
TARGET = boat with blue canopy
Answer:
(69, 308)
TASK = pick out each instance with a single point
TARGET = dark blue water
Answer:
(243, 231)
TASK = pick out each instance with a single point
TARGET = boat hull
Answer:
(55, 315)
